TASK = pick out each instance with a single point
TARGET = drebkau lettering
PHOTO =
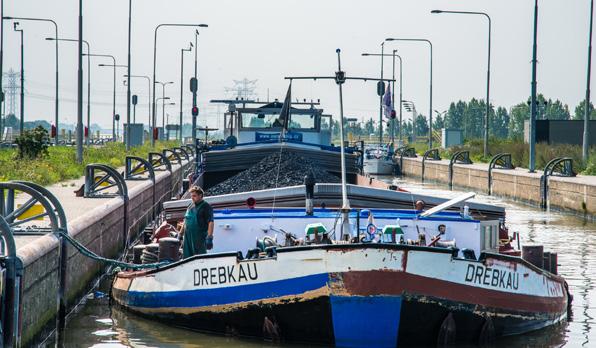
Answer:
(225, 274)
(481, 275)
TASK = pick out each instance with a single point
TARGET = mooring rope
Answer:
(88, 253)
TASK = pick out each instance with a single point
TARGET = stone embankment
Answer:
(572, 194)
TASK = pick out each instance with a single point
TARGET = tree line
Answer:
(469, 117)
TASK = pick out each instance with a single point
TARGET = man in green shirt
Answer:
(198, 225)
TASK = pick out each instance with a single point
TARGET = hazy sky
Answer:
(266, 40)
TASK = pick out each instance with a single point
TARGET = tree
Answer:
(455, 115)
(555, 110)
(421, 125)
(439, 122)
(519, 114)
(580, 111)
(499, 123)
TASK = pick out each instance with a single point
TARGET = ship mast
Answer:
(339, 78)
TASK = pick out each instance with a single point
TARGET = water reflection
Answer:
(100, 325)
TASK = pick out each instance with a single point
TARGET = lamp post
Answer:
(128, 67)
(148, 96)
(88, 80)
(487, 116)
(411, 107)
(163, 111)
(1, 62)
(194, 94)
(155, 58)
(400, 84)
(56, 62)
(79, 129)
(430, 109)
(182, 84)
(586, 139)
(168, 121)
(114, 91)
(163, 95)
(22, 123)
(533, 106)
(114, 66)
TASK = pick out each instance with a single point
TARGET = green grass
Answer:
(61, 165)
(520, 153)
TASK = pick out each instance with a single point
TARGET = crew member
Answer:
(198, 225)
(419, 205)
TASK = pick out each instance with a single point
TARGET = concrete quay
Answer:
(571, 194)
(97, 223)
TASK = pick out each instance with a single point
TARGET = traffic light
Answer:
(86, 132)
(195, 111)
(155, 133)
(193, 85)
(53, 131)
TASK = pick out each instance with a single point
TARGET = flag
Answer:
(284, 114)
(388, 108)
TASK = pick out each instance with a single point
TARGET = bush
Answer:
(33, 143)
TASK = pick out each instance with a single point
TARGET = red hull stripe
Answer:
(397, 283)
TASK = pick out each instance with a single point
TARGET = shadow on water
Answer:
(97, 324)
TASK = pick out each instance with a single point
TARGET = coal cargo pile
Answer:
(262, 175)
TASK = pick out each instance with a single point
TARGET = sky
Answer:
(266, 40)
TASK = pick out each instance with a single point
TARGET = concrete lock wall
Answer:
(573, 194)
(101, 230)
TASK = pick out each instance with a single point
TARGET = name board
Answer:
(481, 275)
(226, 274)
(275, 136)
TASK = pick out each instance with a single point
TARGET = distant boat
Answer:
(378, 161)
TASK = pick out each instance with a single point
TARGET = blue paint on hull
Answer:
(227, 295)
(365, 321)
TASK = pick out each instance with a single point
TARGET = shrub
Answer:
(33, 143)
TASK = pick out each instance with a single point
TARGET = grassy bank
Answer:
(520, 153)
(60, 164)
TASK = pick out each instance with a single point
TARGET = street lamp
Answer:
(586, 138)
(194, 95)
(181, 83)
(486, 118)
(394, 55)
(430, 109)
(148, 97)
(411, 107)
(163, 94)
(114, 66)
(15, 26)
(155, 58)
(88, 80)
(533, 107)
(56, 61)
(114, 91)
(163, 110)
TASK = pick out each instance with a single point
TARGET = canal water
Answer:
(97, 324)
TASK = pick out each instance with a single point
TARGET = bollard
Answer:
(534, 254)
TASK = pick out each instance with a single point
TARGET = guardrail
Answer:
(560, 166)
(39, 204)
(159, 162)
(461, 157)
(500, 161)
(433, 155)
